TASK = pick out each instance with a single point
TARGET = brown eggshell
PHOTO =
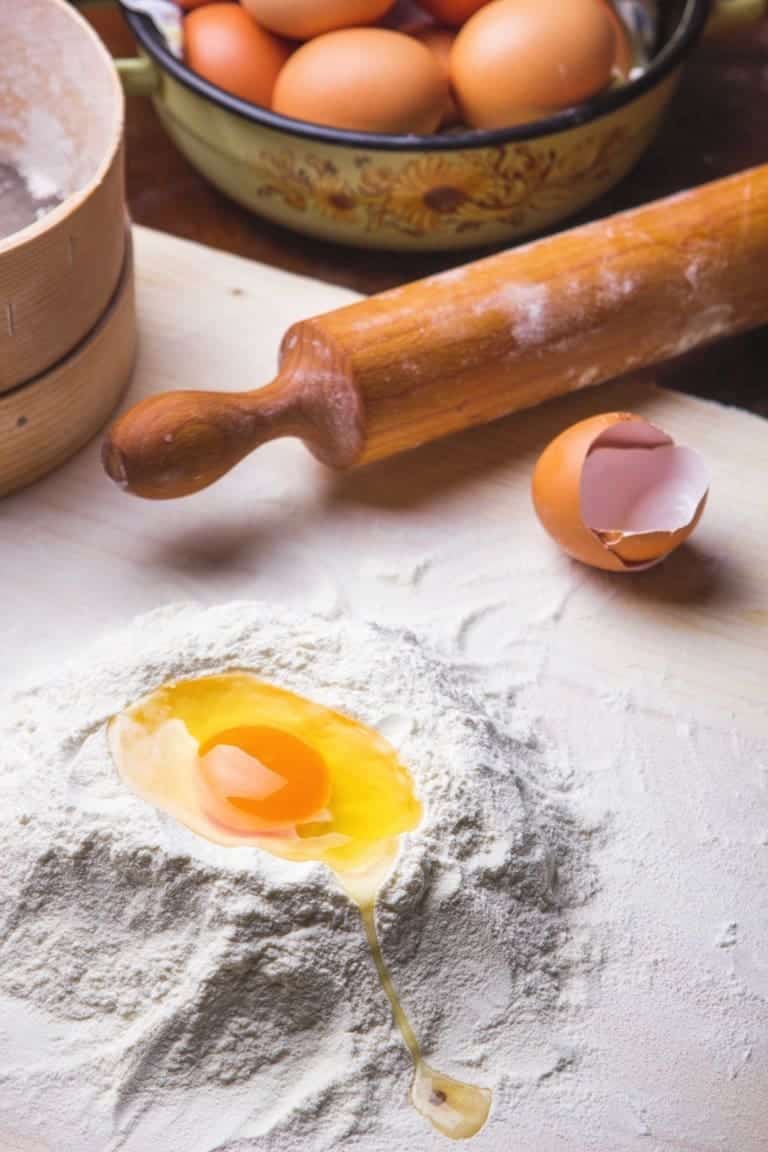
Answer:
(366, 80)
(453, 12)
(624, 59)
(651, 547)
(224, 46)
(440, 42)
(516, 61)
(303, 19)
(558, 492)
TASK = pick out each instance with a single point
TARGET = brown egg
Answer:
(617, 493)
(452, 11)
(302, 19)
(520, 60)
(223, 45)
(625, 58)
(440, 42)
(366, 80)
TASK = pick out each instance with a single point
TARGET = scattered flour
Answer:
(530, 309)
(168, 974)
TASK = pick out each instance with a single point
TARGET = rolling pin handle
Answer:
(178, 443)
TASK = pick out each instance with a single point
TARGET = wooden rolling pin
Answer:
(476, 343)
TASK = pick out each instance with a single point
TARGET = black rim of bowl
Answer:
(674, 51)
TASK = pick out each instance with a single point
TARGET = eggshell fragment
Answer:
(617, 493)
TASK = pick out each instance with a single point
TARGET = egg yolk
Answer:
(256, 775)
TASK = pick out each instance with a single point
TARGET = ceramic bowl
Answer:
(418, 193)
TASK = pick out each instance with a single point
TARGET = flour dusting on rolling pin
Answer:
(389, 373)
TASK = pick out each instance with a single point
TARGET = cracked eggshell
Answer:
(617, 493)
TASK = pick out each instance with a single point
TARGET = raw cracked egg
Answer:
(617, 493)
(241, 762)
(224, 46)
(366, 80)
(302, 19)
(516, 61)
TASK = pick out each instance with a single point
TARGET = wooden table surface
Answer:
(717, 125)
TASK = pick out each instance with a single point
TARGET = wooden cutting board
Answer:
(444, 542)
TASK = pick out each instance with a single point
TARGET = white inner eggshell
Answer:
(636, 480)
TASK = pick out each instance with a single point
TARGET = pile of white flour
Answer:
(172, 994)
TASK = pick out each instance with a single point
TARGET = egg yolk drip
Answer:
(240, 761)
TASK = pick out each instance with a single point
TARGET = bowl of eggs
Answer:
(443, 125)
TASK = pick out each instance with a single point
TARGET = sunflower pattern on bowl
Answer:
(439, 199)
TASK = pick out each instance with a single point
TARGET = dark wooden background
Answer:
(718, 125)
